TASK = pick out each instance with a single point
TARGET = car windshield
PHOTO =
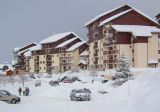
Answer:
(5, 92)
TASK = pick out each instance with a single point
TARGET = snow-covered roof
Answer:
(27, 51)
(114, 17)
(131, 7)
(145, 15)
(103, 14)
(21, 52)
(27, 54)
(152, 61)
(137, 30)
(57, 37)
(84, 53)
(35, 48)
(16, 49)
(66, 42)
(75, 46)
(82, 62)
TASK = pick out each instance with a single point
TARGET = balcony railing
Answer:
(65, 58)
(95, 54)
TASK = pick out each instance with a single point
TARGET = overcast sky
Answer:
(25, 21)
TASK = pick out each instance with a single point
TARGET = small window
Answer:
(158, 60)
(158, 51)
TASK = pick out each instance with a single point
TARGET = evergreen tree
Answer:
(122, 71)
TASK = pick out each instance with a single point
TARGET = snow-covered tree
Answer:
(23, 78)
(3, 80)
(123, 71)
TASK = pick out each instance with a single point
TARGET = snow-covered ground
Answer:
(139, 95)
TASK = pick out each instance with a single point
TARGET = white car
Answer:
(80, 95)
(8, 97)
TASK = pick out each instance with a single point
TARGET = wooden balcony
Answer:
(95, 46)
(96, 62)
(95, 54)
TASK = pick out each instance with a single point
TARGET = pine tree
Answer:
(122, 71)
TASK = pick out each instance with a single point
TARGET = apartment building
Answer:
(122, 31)
(58, 53)
(20, 62)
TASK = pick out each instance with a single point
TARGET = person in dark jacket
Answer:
(27, 91)
(20, 91)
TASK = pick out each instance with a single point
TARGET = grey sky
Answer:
(25, 21)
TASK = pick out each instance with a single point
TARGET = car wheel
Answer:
(13, 101)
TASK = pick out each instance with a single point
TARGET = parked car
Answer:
(80, 95)
(66, 79)
(53, 83)
(38, 83)
(8, 97)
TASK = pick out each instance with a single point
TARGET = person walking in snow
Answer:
(20, 91)
(24, 93)
(27, 91)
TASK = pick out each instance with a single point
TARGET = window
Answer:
(110, 31)
(158, 51)
(159, 36)
(44, 68)
(48, 51)
(158, 60)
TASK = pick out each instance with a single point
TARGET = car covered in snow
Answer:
(66, 79)
(53, 83)
(80, 95)
(8, 97)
